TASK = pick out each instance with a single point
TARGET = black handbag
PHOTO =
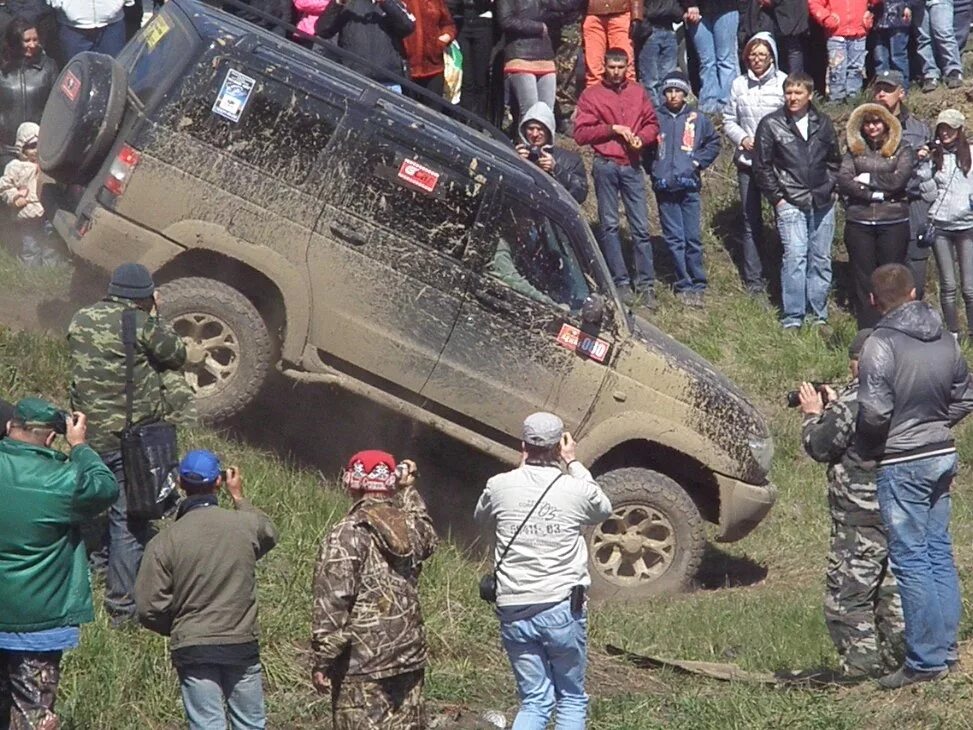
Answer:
(150, 453)
(488, 582)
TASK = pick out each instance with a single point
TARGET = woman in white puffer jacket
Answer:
(753, 95)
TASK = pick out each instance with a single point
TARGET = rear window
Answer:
(157, 55)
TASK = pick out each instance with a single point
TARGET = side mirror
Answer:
(593, 309)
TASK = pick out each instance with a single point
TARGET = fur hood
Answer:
(856, 141)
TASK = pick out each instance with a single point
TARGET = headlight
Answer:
(762, 450)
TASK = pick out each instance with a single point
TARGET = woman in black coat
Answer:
(27, 76)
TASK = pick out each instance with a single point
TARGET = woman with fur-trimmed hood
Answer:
(872, 181)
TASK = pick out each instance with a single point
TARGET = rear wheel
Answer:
(653, 542)
(228, 346)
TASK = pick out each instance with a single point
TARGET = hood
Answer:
(856, 140)
(539, 112)
(916, 319)
(388, 524)
(26, 132)
(767, 38)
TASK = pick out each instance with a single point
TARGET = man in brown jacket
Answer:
(367, 634)
(197, 586)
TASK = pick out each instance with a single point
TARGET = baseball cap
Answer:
(200, 467)
(37, 412)
(889, 78)
(951, 118)
(542, 429)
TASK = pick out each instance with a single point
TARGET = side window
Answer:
(414, 198)
(279, 130)
(534, 256)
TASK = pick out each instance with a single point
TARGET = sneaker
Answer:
(954, 665)
(903, 677)
(790, 326)
(954, 79)
(686, 297)
(629, 297)
(645, 298)
(929, 84)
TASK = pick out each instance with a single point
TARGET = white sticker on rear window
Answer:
(234, 95)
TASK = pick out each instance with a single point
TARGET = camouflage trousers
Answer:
(862, 607)
(28, 688)
(392, 703)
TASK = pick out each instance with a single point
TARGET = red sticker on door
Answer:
(571, 338)
(70, 86)
(419, 175)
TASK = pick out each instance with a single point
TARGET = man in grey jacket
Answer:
(543, 572)
(914, 386)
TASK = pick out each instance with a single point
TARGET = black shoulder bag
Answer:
(488, 583)
(150, 455)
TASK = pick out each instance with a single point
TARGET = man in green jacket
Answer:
(197, 586)
(98, 389)
(44, 589)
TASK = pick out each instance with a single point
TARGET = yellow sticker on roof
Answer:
(155, 30)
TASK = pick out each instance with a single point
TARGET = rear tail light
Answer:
(121, 170)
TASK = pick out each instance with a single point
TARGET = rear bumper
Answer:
(742, 507)
(108, 239)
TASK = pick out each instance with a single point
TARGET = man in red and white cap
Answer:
(367, 634)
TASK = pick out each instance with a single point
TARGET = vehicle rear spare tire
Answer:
(228, 346)
(82, 117)
(653, 542)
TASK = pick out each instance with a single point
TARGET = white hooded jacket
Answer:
(753, 98)
(23, 175)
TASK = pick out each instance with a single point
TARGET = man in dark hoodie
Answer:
(537, 146)
(915, 386)
(372, 29)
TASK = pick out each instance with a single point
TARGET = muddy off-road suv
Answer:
(302, 216)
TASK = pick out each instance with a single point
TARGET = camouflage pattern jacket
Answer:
(829, 438)
(366, 621)
(98, 368)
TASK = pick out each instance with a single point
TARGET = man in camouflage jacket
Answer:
(862, 608)
(367, 633)
(98, 389)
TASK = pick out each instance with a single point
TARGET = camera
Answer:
(534, 153)
(794, 396)
(60, 425)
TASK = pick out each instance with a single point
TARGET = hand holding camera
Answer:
(75, 428)
(811, 398)
(233, 481)
(406, 472)
(568, 448)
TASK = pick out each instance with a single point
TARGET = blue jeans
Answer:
(715, 39)
(962, 16)
(612, 180)
(935, 39)
(679, 214)
(805, 276)
(548, 653)
(915, 503)
(37, 248)
(656, 59)
(892, 51)
(110, 39)
(205, 687)
(126, 541)
(846, 67)
(753, 233)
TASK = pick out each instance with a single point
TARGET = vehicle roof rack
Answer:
(344, 57)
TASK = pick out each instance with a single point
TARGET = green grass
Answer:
(122, 680)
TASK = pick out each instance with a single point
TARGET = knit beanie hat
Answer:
(676, 79)
(370, 471)
(131, 281)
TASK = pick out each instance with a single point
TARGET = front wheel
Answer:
(653, 542)
(228, 347)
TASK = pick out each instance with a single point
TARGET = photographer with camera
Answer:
(536, 514)
(197, 585)
(45, 593)
(861, 606)
(367, 635)
(537, 146)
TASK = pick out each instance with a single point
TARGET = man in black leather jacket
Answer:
(537, 141)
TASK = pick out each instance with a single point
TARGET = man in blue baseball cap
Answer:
(197, 585)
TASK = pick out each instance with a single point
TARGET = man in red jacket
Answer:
(616, 117)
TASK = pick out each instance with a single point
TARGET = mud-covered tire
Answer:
(229, 349)
(653, 542)
(82, 117)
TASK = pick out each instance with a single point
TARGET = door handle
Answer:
(347, 233)
(493, 301)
